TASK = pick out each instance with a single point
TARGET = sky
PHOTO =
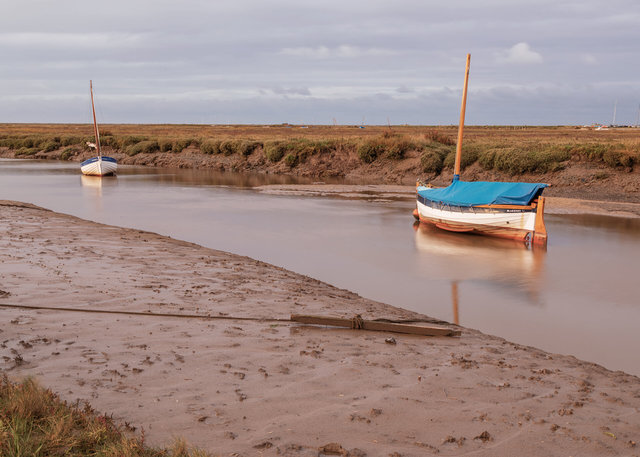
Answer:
(542, 62)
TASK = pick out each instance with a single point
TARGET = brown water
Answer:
(578, 297)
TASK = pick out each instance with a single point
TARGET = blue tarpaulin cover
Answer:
(461, 193)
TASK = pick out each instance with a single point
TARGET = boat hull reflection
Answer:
(505, 264)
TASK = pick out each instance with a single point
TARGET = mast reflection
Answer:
(512, 266)
(454, 299)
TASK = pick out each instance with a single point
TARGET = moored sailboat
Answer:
(99, 165)
(511, 210)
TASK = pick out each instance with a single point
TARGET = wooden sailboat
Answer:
(502, 209)
(99, 165)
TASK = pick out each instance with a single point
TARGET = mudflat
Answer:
(271, 387)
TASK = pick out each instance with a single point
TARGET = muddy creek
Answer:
(579, 296)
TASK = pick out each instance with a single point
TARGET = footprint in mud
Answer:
(94, 357)
(179, 358)
(22, 320)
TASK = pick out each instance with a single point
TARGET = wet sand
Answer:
(554, 205)
(275, 388)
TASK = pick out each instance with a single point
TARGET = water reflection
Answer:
(506, 264)
(93, 185)
(195, 177)
(619, 226)
(92, 189)
(36, 167)
(454, 300)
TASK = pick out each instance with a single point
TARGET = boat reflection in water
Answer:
(512, 266)
(92, 187)
(94, 184)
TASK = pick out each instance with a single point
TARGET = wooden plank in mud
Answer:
(361, 324)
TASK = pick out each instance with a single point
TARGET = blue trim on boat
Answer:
(95, 159)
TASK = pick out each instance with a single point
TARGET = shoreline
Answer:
(278, 389)
(577, 163)
(603, 196)
(555, 204)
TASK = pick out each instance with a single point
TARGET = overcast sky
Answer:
(263, 61)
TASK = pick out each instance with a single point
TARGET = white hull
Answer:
(99, 167)
(503, 223)
(507, 220)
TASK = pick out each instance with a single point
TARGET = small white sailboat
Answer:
(99, 165)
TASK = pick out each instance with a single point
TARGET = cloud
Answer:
(319, 52)
(521, 53)
(66, 40)
(342, 51)
(304, 91)
(404, 90)
(290, 58)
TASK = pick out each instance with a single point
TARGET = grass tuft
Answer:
(370, 150)
(210, 146)
(291, 160)
(439, 137)
(432, 159)
(274, 151)
(34, 422)
(144, 147)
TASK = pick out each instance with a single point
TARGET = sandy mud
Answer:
(263, 387)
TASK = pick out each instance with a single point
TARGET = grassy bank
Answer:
(508, 150)
(34, 422)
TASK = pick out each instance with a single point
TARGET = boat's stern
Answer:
(539, 229)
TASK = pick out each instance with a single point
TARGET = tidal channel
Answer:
(580, 296)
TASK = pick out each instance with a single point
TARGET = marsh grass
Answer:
(432, 159)
(291, 160)
(67, 154)
(512, 150)
(298, 150)
(437, 136)
(274, 151)
(142, 147)
(34, 422)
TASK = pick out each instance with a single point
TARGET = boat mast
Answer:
(456, 172)
(95, 124)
